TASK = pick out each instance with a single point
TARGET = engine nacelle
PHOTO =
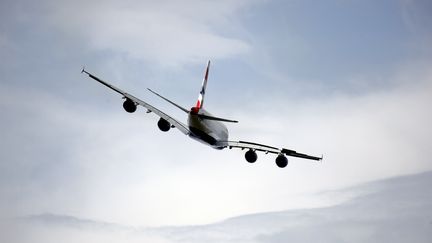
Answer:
(164, 125)
(251, 156)
(129, 106)
(281, 161)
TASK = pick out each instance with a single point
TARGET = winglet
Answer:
(84, 71)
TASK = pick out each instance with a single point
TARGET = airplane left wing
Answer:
(266, 149)
(180, 126)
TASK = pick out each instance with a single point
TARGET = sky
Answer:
(347, 79)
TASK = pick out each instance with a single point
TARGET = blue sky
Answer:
(347, 79)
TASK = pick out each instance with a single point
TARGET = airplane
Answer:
(203, 126)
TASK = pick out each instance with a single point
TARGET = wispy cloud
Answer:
(122, 158)
(168, 32)
(396, 210)
(339, 78)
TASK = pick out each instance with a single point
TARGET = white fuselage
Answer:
(207, 131)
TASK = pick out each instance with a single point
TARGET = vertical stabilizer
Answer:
(200, 100)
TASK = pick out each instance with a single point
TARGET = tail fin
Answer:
(200, 101)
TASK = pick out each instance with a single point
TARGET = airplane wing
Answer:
(266, 149)
(180, 126)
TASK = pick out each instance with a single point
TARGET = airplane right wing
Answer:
(180, 126)
(266, 149)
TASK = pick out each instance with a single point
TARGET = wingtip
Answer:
(84, 71)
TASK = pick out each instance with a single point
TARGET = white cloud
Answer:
(362, 137)
(170, 33)
(124, 170)
(393, 210)
(64, 156)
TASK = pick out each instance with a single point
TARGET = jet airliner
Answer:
(203, 126)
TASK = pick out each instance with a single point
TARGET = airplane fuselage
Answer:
(209, 132)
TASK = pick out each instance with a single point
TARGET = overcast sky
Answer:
(351, 80)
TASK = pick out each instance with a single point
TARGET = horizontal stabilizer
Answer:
(216, 118)
(169, 101)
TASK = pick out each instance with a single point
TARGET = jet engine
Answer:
(129, 106)
(281, 161)
(164, 125)
(251, 156)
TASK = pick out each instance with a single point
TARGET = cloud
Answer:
(68, 148)
(396, 210)
(319, 48)
(364, 135)
(170, 33)
(97, 152)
